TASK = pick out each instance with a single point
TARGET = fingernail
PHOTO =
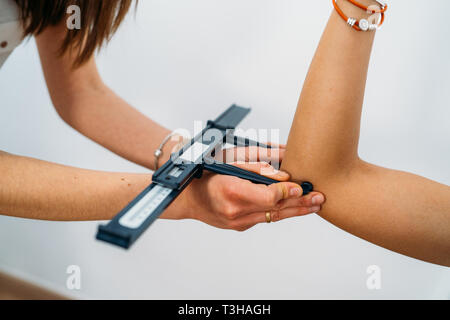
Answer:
(283, 174)
(315, 209)
(318, 199)
(295, 192)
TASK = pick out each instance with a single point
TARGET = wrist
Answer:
(179, 209)
(173, 144)
(353, 11)
(182, 207)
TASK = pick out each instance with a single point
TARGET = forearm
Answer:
(396, 210)
(325, 130)
(393, 209)
(105, 118)
(41, 190)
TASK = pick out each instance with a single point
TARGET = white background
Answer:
(180, 61)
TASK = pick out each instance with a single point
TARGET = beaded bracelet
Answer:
(363, 24)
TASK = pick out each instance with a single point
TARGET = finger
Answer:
(275, 145)
(252, 154)
(282, 147)
(311, 200)
(264, 169)
(248, 221)
(271, 155)
(252, 197)
(293, 212)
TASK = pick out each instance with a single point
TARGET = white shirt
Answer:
(10, 29)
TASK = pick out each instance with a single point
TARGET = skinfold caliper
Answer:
(176, 174)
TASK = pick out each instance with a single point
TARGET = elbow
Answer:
(334, 180)
(70, 101)
(71, 111)
(64, 111)
(323, 172)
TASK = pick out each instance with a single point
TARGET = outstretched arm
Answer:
(399, 211)
(37, 189)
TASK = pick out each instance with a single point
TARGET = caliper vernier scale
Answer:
(176, 174)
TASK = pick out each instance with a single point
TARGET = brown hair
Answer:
(99, 21)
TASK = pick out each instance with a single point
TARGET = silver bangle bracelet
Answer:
(159, 152)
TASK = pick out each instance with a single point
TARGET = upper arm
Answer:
(64, 81)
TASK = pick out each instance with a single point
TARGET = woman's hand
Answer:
(232, 203)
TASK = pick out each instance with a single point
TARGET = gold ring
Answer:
(268, 217)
